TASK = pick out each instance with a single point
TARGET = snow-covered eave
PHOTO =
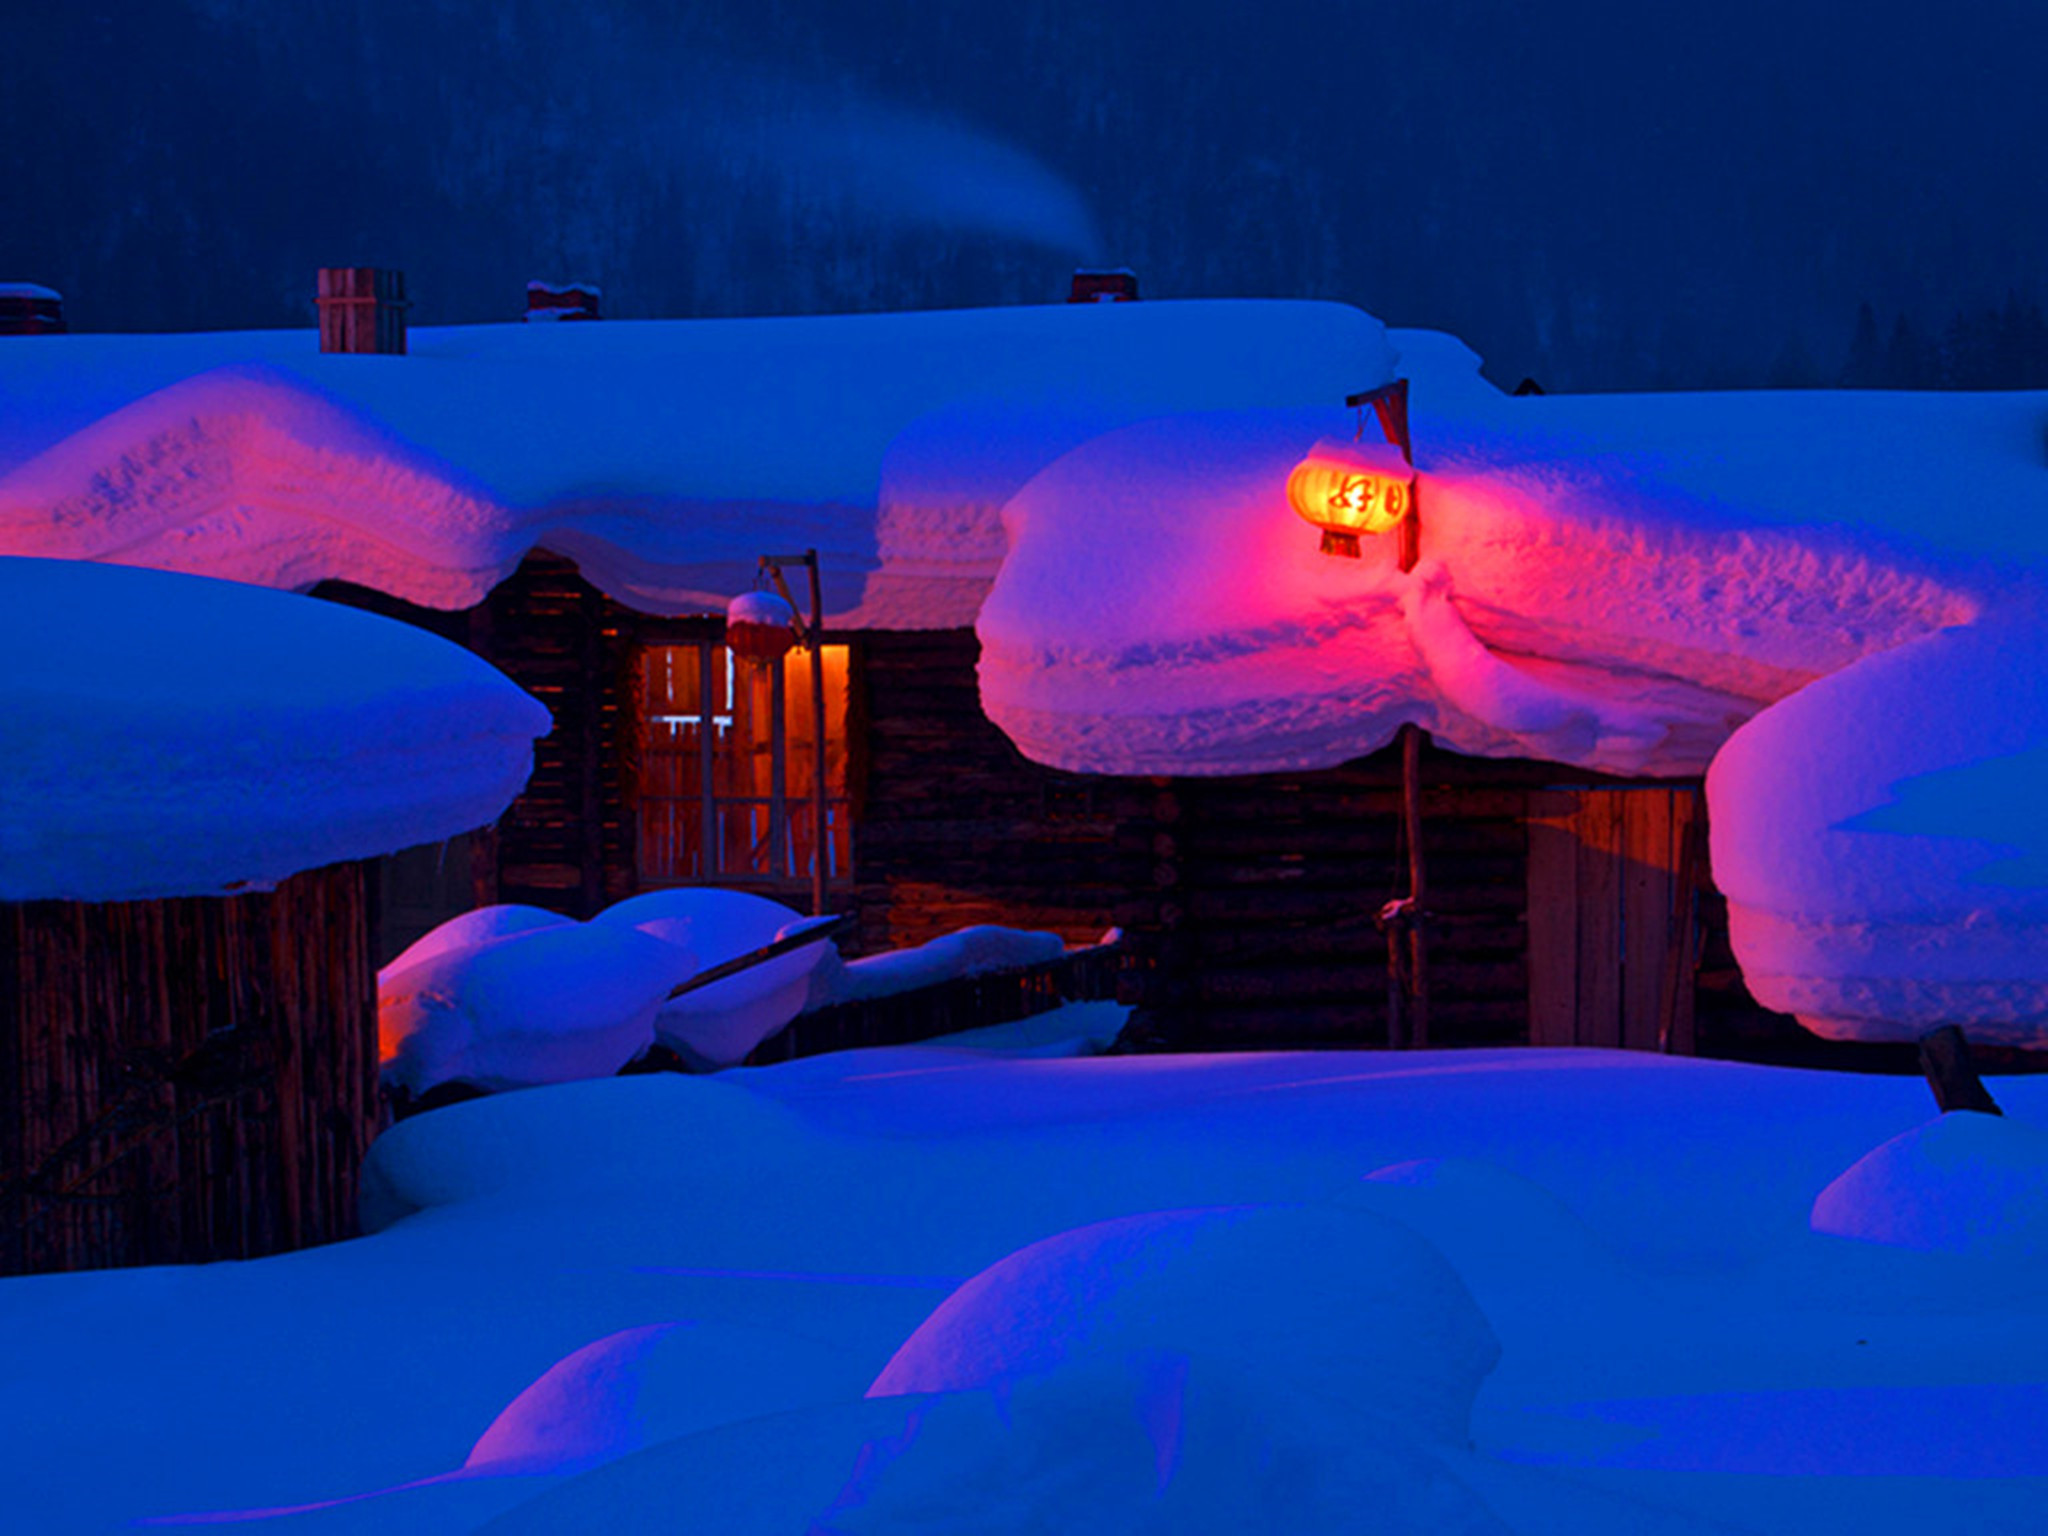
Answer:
(663, 457)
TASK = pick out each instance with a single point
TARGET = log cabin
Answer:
(577, 505)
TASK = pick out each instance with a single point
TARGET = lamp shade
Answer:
(1347, 489)
(760, 627)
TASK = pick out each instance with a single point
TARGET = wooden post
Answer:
(819, 845)
(1394, 420)
(709, 854)
(362, 309)
(1945, 1058)
(1418, 886)
(782, 860)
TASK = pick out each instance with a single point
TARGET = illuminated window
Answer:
(727, 763)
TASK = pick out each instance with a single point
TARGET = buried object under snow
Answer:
(515, 997)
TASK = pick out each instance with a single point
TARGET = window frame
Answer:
(707, 637)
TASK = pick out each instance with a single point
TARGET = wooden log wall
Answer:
(195, 1079)
(1249, 901)
(567, 843)
(956, 827)
(1258, 928)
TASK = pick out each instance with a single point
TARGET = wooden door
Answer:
(1612, 915)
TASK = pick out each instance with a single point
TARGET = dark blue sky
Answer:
(1584, 193)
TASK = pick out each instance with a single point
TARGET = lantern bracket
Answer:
(1389, 403)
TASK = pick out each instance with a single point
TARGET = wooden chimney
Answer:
(1103, 286)
(362, 309)
(29, 309)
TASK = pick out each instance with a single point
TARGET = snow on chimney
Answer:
(574, 301)
(362, 309)
(29, 309)
(1117, 285)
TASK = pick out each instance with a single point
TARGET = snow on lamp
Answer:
(1348, 489)
(760, 627)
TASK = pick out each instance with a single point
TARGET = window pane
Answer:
(743, 772)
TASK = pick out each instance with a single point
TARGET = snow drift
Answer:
(170, 735)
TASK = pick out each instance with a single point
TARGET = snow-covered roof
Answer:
(168, 735)
(664, 457)
(1615, 582)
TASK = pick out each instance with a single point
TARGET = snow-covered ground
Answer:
(1527, 1291)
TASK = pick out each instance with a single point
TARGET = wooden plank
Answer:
(1553, 927)
(1599, 918)
(1681, 983)
(1649, 867)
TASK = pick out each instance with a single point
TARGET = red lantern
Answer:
(760, 627)
(1347, 489)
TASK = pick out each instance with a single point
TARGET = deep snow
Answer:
(613, 1306)
(171, 735)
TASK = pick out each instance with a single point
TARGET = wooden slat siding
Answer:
(1281, 876)
(956, 826)
(565, 844)
(1553, 928)
(1649, 868)
(237, 1035)
(1598, 827)
(1688, 808)
(361, 309)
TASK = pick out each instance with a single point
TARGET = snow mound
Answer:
(170, 735)
(1496, 1227)
(1155, 1447)
(477, 926)
(1882, 839)
(971, 951)
(249, 473)
(644, 1385)
(1347, 1308)
(1962, 1183)
(608, 1134)
(513, 997)
(1610, 603)
(544, 1004)
(716, 1026)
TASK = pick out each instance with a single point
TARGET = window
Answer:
(727, 766)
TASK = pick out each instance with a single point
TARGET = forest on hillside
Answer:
(1590, 194)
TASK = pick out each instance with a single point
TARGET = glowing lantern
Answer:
(760, 627)
(1347, 489)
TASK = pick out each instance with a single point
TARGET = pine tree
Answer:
(1865, 368)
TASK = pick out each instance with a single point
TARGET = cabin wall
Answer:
(1248, 902)
(955, 826)
(196, 1078)
(567, 842)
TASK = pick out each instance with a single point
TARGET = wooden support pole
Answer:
(1418, 888)
(820, 842)
(1945, 1058)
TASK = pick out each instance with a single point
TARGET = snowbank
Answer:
(169, 735)
(544, 1004)
(514, 997)
(717, 1025)
(1397, 1336)
(1599, 586)
(615, 1306)
(1882, 838)
(1962, 1183)
(662, 456)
